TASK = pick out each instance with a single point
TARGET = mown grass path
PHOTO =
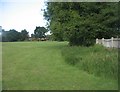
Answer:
(40, 66)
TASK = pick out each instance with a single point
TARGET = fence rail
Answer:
(112, 43)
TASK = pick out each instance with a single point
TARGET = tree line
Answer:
(12, 35)
(81, 23)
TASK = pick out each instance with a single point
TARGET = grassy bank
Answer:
(41, 66)
(96, 60)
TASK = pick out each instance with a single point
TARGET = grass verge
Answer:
(96, 60)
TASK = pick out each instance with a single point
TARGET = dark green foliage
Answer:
(32, 35)
(80, 23)
(24, 35)
(96, 60)
(10, 36)
(13, 35)
(39, 32)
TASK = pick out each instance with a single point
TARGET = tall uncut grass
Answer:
(97, 60)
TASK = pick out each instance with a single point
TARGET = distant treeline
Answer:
(12, 35)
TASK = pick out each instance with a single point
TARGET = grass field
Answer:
(42, 66)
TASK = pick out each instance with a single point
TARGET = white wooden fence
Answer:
(113, 42)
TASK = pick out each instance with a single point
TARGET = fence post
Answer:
(103, 41)
(97, 41)
(112, 41)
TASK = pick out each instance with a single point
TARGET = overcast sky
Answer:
(21, 14)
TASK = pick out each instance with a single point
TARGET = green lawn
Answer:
(41, 66)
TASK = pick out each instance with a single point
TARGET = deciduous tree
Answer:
(81, 23)
(39, 32)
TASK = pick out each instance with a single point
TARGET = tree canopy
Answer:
(13, 35)
(81, 23)
(24, 35)
(39, 32)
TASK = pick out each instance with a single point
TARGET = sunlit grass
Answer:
(41, 66)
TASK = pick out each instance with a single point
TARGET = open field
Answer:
(42, 66)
